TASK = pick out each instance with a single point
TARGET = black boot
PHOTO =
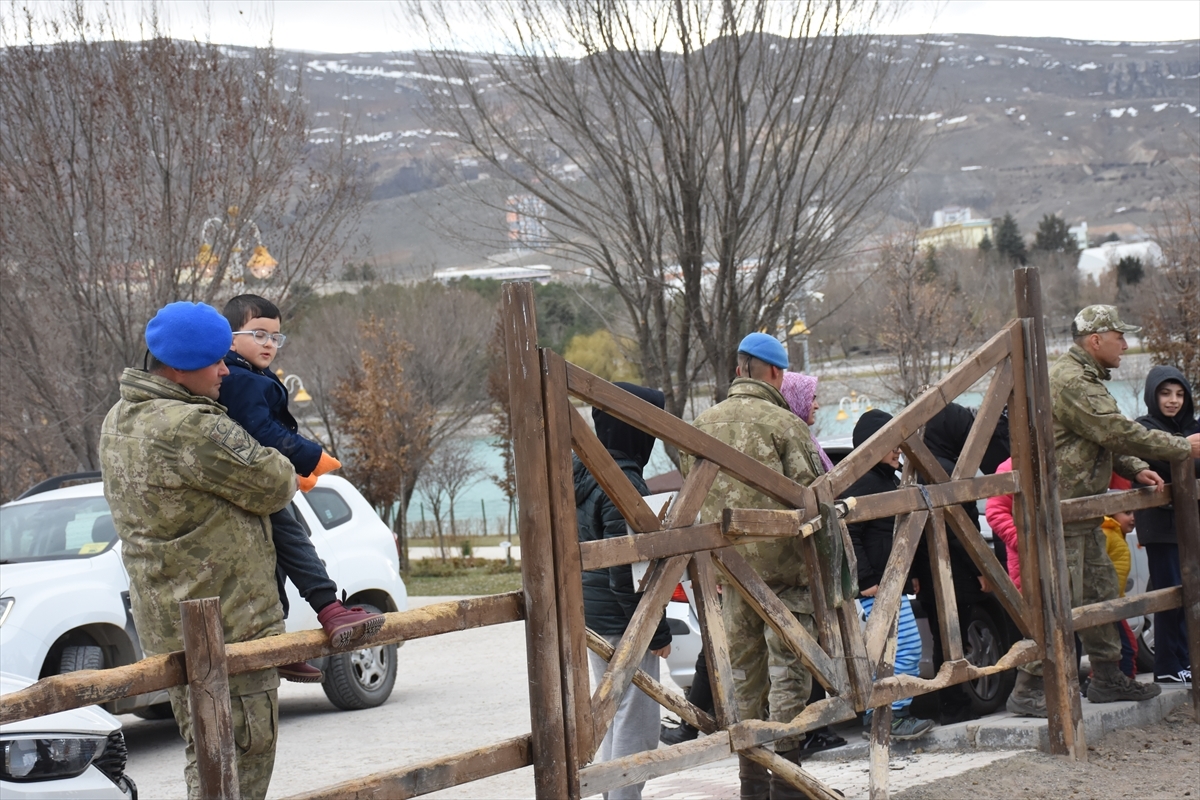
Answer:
(780, 788)
(683, 733)
(755, 780)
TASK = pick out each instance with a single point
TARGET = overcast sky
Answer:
(348, 26)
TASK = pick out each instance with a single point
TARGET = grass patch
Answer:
(432, 577)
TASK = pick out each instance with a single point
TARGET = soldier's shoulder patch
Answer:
(233, 438)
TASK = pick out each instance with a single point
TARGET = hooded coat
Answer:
(609, 599)
(1157, 525)
(872, 539)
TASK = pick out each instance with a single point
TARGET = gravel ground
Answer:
(1151, 762)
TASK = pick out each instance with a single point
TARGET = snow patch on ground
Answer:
(1087, 66)
(971, 168)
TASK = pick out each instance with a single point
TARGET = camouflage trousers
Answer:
(255, 733)
(1093, 580)
(769, 680)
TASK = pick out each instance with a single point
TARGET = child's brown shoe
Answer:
(301, 672)
(344, 625)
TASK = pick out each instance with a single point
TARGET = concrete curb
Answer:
(1004, 731)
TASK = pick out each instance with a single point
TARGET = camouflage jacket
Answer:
(190, 492)
(756, 420)
(1092, 438)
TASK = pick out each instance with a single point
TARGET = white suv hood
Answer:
(91, 720)
(14, 577)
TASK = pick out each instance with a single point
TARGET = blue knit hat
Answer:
(188, 336)
(764, 348)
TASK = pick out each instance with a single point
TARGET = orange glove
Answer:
(327, 464)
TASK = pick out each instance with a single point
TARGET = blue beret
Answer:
(188, 336)
(764, 348)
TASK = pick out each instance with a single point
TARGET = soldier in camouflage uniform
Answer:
(1091, 440)
(190, 492)
(770, 681)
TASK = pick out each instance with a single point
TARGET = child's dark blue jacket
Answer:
(257, 400)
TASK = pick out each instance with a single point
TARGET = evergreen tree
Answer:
(1053, 237)
(1008, 240)
(1130, 271)
(985, 244)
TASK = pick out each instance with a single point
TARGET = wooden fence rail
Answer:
(569, 715)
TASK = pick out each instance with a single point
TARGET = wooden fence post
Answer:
(208, 698)
(1187, 532)
(1059, 669)
(550, 771)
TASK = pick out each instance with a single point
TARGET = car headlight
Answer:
(37, 759)
(6, 604)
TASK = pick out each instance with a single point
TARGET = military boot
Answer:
(755, 780)
(780, 788)
(1109, 685)
(1028, 698)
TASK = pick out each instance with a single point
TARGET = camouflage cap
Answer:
(1099, 319)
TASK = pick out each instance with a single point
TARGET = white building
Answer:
(1095, 261)
(950, 215)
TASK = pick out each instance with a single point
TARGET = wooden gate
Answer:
(853, 662)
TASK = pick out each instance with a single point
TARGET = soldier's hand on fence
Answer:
(1194, 441)
(984, 584)
(1150, 478)
(662, 652)
(870, 592)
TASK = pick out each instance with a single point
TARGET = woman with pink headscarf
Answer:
(800, 392)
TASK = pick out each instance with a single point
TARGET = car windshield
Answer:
(79, 527)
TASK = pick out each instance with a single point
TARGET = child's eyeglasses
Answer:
(262, 337)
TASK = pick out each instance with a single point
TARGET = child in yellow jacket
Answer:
(1115, 528)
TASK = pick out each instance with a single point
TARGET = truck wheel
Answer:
(363, 678)
(983, 645)
(78, 657)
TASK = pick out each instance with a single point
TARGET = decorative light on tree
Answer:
(219, 232)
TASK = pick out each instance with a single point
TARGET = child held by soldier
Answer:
(257, 400)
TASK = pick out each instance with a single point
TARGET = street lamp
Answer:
(857, 404)
(294, 386)
(219, 231)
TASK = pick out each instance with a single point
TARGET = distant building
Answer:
(964, 235)
(537, 273)
(1080, 234)
(1095, 261)
(524, 214)
(950, 215)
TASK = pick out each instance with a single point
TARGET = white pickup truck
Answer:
(64, 593)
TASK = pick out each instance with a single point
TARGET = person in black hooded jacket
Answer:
(609, 596)
(945, 436)
(1172, 409)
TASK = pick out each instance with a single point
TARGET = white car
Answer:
(72, 754)
(64, 593)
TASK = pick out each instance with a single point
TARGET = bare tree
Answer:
(442, 335)
(451, 469)
(923, 319)
(705, 157)
(1172, 315)
(385, 430)
(118, 160)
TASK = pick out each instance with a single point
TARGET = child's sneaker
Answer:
(1181, 677)
(301, 672)
(905, 728)
(344, 625)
